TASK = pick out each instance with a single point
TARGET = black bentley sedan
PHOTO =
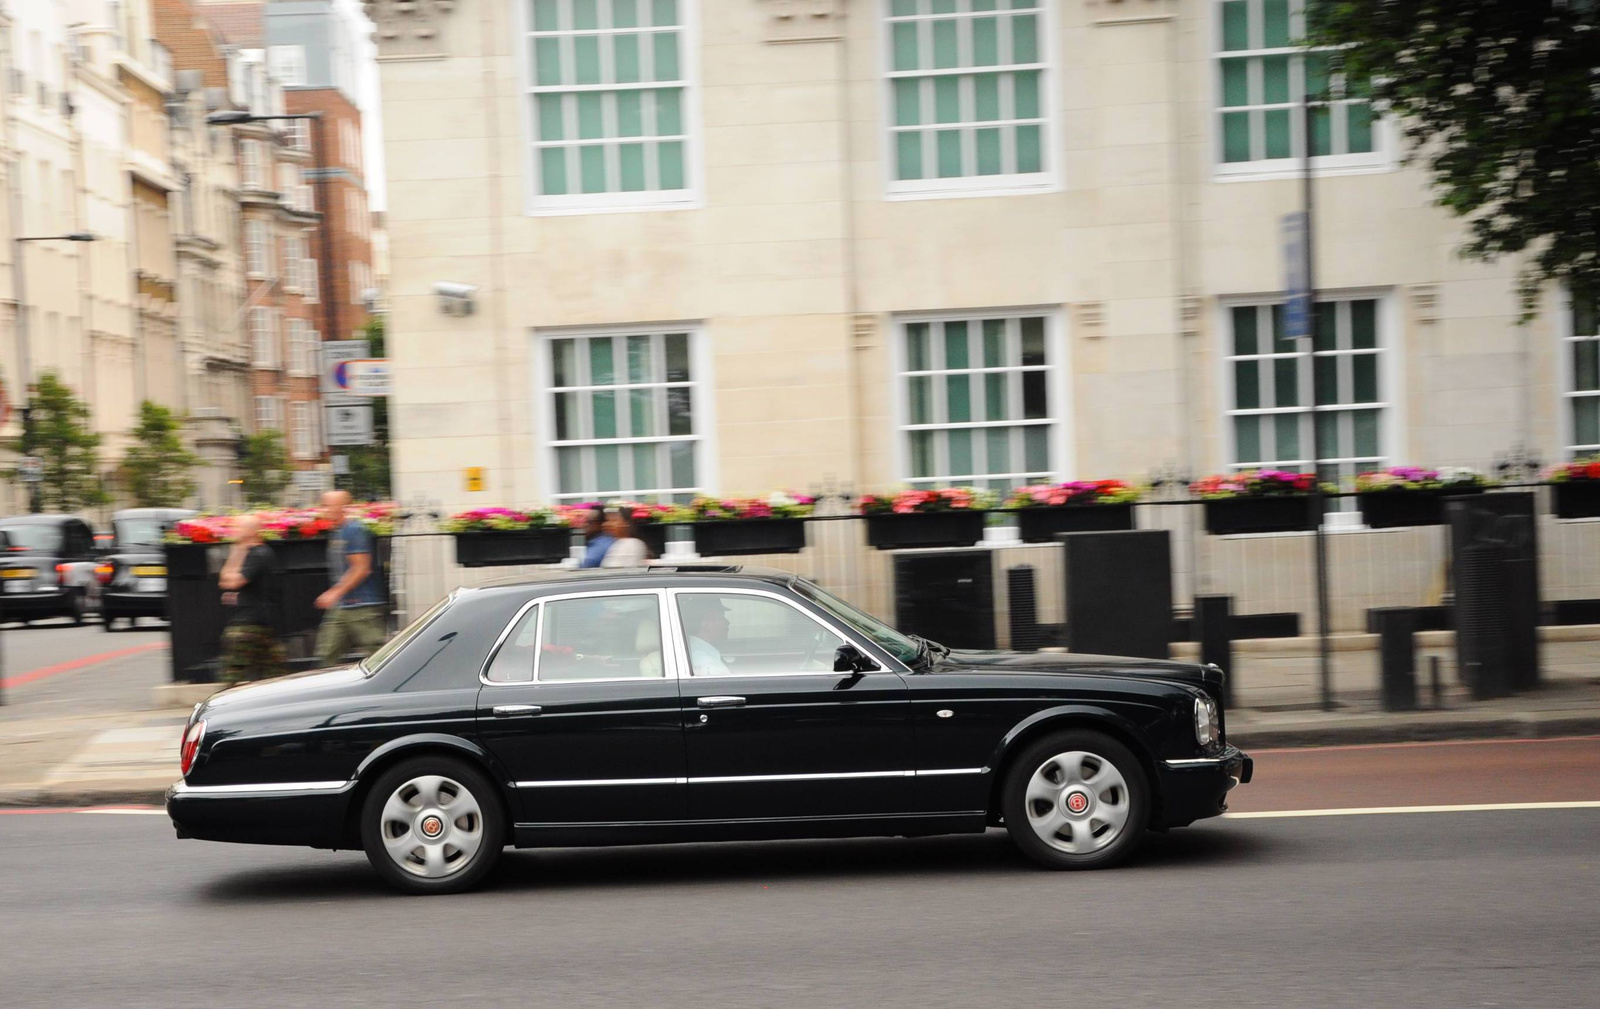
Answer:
(693, 704)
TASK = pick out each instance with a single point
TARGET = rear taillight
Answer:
(103, 573)
(191, 747)
(61, 569)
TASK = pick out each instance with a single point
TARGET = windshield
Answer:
(33, 538)
(884, 636)
(145, 532)
(380, 658)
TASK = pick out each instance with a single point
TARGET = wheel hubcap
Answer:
(1077, 802)
(432, 826)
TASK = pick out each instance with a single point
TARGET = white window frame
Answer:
(252, 165)
(257, 249)
(300, 429)
(287, 63)
(1569, 339)
(264, 337)
(1050, 146)
(689, 198)
(310, 281)
(293, 255)
(703, 407)
(274, 414)
(1384, 156)
(300, 349)
(1057, 369)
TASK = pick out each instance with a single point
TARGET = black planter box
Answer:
(195, 614)
(1577, 499)
(301, 555)
(1393, 509)
(187, 560)
(523, 546)
(735, 537)
(1286, 513)
(654, 536)
(925, 529)
(1040, 525)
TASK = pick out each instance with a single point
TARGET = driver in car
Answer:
(705, 618)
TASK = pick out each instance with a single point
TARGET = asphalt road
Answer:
(1469, 908)
(53, 668)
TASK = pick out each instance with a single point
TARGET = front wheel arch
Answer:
(1071, 717)
(396, 750)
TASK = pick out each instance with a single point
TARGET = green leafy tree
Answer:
(264, 467)
(156, 468)
(369, 464)
(60, 435)
(1500, 99)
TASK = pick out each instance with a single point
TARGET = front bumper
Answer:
(1193, 788)
(133, 604)
(311, 813)
(57, 602)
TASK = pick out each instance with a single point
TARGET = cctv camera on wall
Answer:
(455, 299)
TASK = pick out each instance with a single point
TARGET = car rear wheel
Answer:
(1076, 800)
(80, 607)
(433, 825)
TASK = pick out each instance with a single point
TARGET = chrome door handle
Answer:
(512, 710)
(720, 702)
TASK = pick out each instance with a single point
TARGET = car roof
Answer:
(39, 520)
(668, 575)
(152, 513)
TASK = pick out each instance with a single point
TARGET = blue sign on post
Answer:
(1297, 306)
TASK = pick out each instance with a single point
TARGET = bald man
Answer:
(250, 646)
(354, 623)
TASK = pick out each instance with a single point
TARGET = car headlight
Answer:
(1206, 727)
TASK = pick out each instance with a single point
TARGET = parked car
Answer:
(133, 572)
(684, 704)
(47, 569)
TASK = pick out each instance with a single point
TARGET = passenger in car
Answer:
(705, 618)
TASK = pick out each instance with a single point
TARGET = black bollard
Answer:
(1213, 628)
(1397, 657)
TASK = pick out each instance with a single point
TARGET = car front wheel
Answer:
(433, 825)
(1076, 800)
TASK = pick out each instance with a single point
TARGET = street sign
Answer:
(30, 468)
(474, 476)
(1297, 286)
(341, 465)
(367, 376)
(313, 481)
(335, 353)
(349, 424)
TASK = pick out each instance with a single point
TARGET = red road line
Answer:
(78, 809)
(1486, 741)
(72, 664)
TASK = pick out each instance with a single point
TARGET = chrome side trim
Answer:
(282, 787)
(738, 778)
(1202, 761)
(951, 770)
(833, 776)
(585, 783)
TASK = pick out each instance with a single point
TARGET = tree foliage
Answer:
(156, 468)
(1502, 101)
(264, 467)
(63, 440)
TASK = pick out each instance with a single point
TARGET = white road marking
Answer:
(1375, 810)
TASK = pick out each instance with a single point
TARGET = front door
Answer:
(581, 707)
(771, 731)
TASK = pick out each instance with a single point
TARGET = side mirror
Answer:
(848, 659)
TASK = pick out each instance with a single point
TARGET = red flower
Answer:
(1593, 470)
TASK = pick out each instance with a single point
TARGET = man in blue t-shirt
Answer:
(596, 540)
(354, 623)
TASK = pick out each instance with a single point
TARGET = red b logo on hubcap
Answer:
(432, 826)
(1077, 802)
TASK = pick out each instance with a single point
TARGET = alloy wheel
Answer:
(431, 826)
(1077, 802)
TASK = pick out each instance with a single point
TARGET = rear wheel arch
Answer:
(394, 751)
(1071, 717)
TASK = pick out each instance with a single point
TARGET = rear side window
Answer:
(600, 638)
(513, 663)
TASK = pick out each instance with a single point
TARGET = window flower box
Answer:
(949, 517)
(1256, 501)
(1411, 496)
(1090, 506)
(497, 537)
(732, 527)
(1575, 489)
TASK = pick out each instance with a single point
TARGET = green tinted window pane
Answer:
(949, 153)
(607, 469)
(547, 61)
(677, 357)
(1236, 81)
(1586, 420)
(995, 406)
(569, 463)
(550, 125)
(545, 15)
(917, 346)
(625, 14)
(908, 155)
(1286, 431)
(1358, 130)
(630, 114)
(605, 415)
(955, 345)
(1025, 92)
(985, 5)
(1236, 136)
(988, 142)
(1036, 449)
(630, 163)
(1585, 365)
(944, 45)
(1364, 324)
(1316, 75)
(997, 450)
(1281, 343)
(994, 343)
(567, 428)
(903, 7)
(959, 444)
(1278, 137)
(1247, 439)
(669, 112)
(1327, 313)
(670, 154)
(1326, 370)
(586, 58)
(642, 414)
(905, 45)
(986, 97)
(680, 410)
(1236, 24)
(957, 398)
(585, 14)
(942, 6)
(921, 396)
(1025, 39)
(947, 99)
(1028, 159)
(1364, 427)
(664, 12)
(1286, 381)
(625, 58)
(553, 171)
(666, 56)
(602, 370)
(644, 466)
(1247, 385)
(985, 42)
(1244, 329)
(1274, 24)
(1364, 375)
(639, 363)
(592, 161)
(1321, 132)
(1275, 79)
(1035, 406)
(563, 362)
(591, 124)
(1585, 316)
(1033, 340)
(1022, 4)
(922, 453)
(907, 101)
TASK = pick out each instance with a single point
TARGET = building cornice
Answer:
(409, 29)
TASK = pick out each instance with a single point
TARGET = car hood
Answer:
(284, 687)
(1086, 665)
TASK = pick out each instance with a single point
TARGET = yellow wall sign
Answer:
(474, 478)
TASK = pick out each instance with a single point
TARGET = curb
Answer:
(70, 797)
(1358, 733)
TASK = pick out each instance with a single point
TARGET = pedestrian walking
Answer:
(250, 646)
(597, 540)
(354, 619)
(627, 549)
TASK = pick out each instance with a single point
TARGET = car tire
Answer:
(417, 796)
(80, 607)
(1076, 799)
(108, 622)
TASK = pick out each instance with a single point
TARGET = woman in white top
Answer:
(629, 551)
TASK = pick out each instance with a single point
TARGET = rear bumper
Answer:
(36, 604)
(1195, 788)
(133, 604)
(310, 814)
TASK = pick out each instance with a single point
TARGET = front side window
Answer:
(600, 638)
(625, 413)
(735, 634)
(1270, 388)
(609, 93)
(1582, 353)
(978, 400)
(1263, 75)
(887, 638)
(967, 82)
